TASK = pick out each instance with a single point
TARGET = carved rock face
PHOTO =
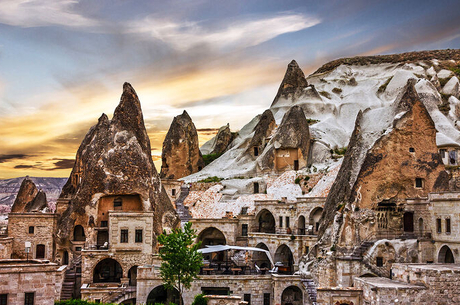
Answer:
(115, 159)
(223, 139)
(293, 84)
(29, 198)
(181, 155)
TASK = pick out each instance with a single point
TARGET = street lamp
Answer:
(28, 245)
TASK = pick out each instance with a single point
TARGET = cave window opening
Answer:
(256, 151)
(411, 149)
(117, 203)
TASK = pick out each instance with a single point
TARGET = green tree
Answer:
(181, 261)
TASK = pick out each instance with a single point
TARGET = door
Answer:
(408, 222)
(40, 253)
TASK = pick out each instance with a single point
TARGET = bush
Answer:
(340, 151)
(200, 299)
(443, 81)
(297, 180)
(383, 87)
(209, 158)
(337, 90)
(325, 94)
(211, 179)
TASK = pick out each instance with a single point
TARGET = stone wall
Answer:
(228, 227)
(339, 296)
(170, 185)
(43, 233)
(18, 277)
(6, 247)
(131, 222)
(256, 285)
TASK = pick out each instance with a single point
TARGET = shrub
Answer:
(209, 158)
(211, 179)
(443, 81)
(337, 90)
(456, 70)
(200, 299)
(383, 87)
(325, 94)
(297, 180)
(79, 302)
(340, 151)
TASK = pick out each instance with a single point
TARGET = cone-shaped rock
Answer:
(181, 155)
(223, 139)
(293, 84)
(115, 159)
(263, 129)
(26, 195)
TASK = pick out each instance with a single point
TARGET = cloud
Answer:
(237, 35)
(8, 158)
(24, 166)
(35, 13)
(63, 164)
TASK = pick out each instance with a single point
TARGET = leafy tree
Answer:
(181, 261)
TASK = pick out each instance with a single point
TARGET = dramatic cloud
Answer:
(236, 35)
(8, 158)
(34, 13)
(64, 164)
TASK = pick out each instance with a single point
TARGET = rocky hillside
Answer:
(9, 189)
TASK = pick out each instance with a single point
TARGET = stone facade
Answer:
(172, 188)
(6, 247)
(339, 296)
(43, 279)
(36, 228)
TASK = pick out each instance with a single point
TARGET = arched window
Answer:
(79, 233)
(107, 271)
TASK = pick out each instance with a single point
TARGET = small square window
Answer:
(117, 203)
(443, 153)
(124, 236)
(418, 182)
(379, 261)
(138, 236)
(244, 211)
(411, 149)
(173, 192)
(104, 224)
(78, 249)
(31, 230)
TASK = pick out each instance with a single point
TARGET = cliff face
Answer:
(402, 163)
(219, 143)
(29, 198)
(115, 159)
(181, 155)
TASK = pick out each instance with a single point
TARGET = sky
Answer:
(63, 63)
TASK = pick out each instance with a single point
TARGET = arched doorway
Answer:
(284, 260)
(446, 256)
(162, 295)
(40, 251)
(132, 275)
(79, 233)
(301, 225)
(292, 296)
(260, 258)
(315, 217)
(408, 222)
(266, 222)
(107, 271)
(212, 236)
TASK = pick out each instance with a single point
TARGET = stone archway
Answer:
(211, 237)
(292, 295)
(315, 217)
(284, 260)
(79, 233)
(162, 295)
(445, 255)
(107, 271)
(265, 222)
(260, 258)
(132, 275)
(301, 225)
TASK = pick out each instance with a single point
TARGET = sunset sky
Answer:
(63, 63)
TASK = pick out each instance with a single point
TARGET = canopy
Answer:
(219, 248)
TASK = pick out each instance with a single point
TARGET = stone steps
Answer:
(310, 287)
(181, 209)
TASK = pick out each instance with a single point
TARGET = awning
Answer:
(220, 248)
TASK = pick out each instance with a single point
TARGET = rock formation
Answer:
(263, 130)
(29, 198)
(293, 84)
(218, 144)
(291, 142)
(115, 158)
(181, 155)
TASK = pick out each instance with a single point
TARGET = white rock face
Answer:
(452, 87)
(444, 73)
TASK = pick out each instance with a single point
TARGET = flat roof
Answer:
(386, 283)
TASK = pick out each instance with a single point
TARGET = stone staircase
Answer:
(310, 287)
(70, 279)
(123, 293)
(181, 209)
(361, 249)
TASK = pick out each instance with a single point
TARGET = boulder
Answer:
(29, 198)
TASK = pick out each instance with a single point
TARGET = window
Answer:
(138, 236)
(104, 224)
(418, 182)
(443, 153)
(379, 261)
(244, 229)
(173, 192)
(281, 221)
(244, 211)
(124, 236)
(3, 299)
(438, 225)
(78, 249)
(256, 151)
(307, 249)
(411, 149)
(256, 187)
(296, 165)
(117, 203)
(287, 222)
(448, 225)
(266, 299)
(247, 298)
(29, 298)
(31, 230)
